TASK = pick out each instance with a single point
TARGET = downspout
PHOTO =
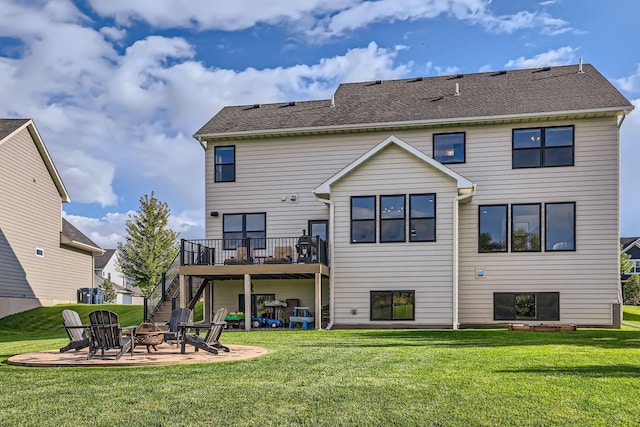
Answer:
(624, 116)
(329, 202)
(456, 202)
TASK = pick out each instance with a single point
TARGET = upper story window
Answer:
(635, 269)
(543, 147)
(392, 215)
(225, 167)
(560, 222)
(240, 230)
(449, 147)
(492, 228)
(422, 217)
(363, 219)
(525, 228)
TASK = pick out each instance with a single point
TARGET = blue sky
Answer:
(117, 88)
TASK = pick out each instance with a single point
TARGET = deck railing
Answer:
(270, 250)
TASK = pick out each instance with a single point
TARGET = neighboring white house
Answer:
(464, 200)
(44, 259)
(106, 267)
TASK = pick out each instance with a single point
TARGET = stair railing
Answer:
(160, 292)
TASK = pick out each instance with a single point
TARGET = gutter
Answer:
(199, 139)
(456, 202)
(329, 202)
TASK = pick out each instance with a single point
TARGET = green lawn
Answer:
(473, 377)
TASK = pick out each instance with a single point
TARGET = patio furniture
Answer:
(105, 333)
(301, 315)
(211, 341)
(241, 256)
(179, 315)
(75, 330)
(281, 255)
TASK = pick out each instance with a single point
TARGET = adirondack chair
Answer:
(179, 315)
(211, 341)
(106, 334)
(76, 331)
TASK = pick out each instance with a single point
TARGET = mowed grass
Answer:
(472, 377)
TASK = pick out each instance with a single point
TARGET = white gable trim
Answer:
(635, 243)
(464, 185)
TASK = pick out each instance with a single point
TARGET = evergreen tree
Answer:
(149, 246)
(109, 293)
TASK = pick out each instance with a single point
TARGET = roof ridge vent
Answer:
(501, 72)
(292, 103)
(256, 105)
(546, 68)
(418, 79)
(459, 76)
(378, 82)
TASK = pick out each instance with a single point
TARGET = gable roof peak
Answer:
(464, 185)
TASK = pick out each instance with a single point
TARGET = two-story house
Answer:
(44, 259)
(471, 199)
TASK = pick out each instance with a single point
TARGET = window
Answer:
(225, 167)
(492, 228)
(635, 269)
(392, 305)
(392, 216)
(526, 306)
(542, 147)
(422, 217)
(525, 228)
(560, 226)
(363, 219)
(237, 228)
(449, 147)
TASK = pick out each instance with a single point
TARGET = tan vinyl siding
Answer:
(587, 279)
(423, 267)
(30, 218)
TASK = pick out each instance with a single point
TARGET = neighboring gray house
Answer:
(464, 200)
(43, 258)
(631, 246)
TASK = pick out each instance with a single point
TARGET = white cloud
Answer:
(319, 19)
(630, 83)
(562, 56)
(216, 14)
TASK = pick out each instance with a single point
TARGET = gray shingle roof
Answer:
(9, 125)
(517, 92)
(74, 235)
(102, 260)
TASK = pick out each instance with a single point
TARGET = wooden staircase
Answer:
(163, 312)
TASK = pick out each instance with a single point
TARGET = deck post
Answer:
(318, 300)
(247, 302)
(183, 292)
(208, 298)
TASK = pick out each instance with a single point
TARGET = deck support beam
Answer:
(207, 306)
(247, 302)
(318, 300)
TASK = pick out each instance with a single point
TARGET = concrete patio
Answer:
(166, 355)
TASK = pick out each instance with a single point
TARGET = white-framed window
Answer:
(636, 266)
